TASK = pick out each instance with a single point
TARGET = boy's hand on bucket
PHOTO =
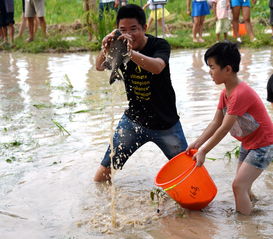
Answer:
(192, 149)
(200, 157)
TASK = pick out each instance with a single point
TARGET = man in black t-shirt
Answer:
(151, 115)
(270, 90)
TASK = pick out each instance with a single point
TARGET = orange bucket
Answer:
(242, 30)
(191, 186)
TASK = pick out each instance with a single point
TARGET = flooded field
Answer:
(55, 124)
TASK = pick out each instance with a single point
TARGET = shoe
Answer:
(254, 39)
(239, 39)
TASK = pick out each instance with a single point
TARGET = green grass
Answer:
(69, 12)
(57, 11)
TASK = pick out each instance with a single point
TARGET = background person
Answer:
(246, 120)
(158, 13)
(243, 6)
(35, 8)
(87, 6)
(152, 114)
(24, 22)
(198, 9)
(221, 10)
(7, 20)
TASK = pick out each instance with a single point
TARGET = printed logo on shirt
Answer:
(138, 69)
(140, 84)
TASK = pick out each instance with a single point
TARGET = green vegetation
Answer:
(60, 127)
(234, 153)
(68, 27)
(157, 195)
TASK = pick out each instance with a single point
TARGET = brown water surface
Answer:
(46, 187)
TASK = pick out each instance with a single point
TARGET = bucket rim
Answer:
(177, 178)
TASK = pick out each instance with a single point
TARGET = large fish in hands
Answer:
(118, 54)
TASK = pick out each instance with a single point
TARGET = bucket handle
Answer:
(171, 187)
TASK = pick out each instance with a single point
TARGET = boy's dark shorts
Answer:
(6, 18)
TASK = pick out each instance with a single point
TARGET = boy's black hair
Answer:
(132, 11)
(224, 53)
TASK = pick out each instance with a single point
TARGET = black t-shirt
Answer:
(270, 89)
(151, 97)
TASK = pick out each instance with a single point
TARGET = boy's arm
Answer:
(219, 134)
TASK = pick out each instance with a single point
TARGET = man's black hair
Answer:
(224, 53)
(131, 11)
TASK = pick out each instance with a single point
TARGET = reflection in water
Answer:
(10, 89)
(46, 187)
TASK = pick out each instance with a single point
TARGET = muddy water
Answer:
(46, 187)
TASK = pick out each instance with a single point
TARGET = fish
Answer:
(117, 55)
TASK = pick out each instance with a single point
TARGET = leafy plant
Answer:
(11, 159)
(12, 144)
(156, 196)
(41, 106)
(99, 26)
(234, 152)
(68, 83)
(60, 127)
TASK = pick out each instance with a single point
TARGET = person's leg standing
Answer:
(247, 21)
(10, 21)
(3, 21)
(149, 23)
(202, 20)
(195, 28)
(30, 14)
(251, 165)
(236, 8)
(128, 137)
(39, 6)
(23, 21)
